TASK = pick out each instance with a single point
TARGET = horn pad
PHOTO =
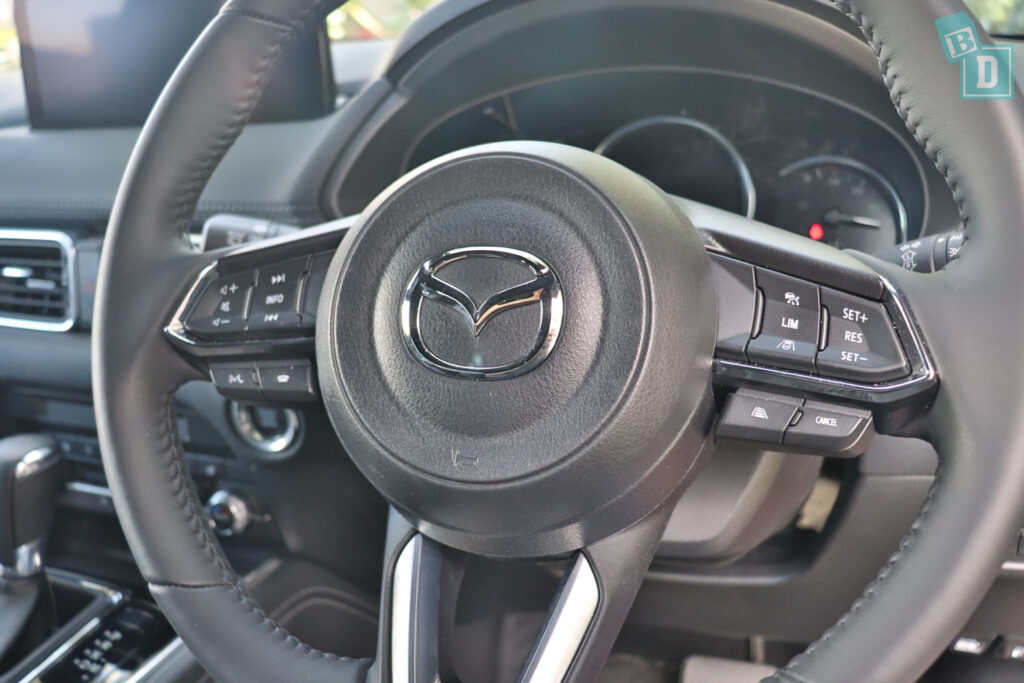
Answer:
(515, 347)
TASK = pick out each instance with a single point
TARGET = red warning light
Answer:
(816, 232)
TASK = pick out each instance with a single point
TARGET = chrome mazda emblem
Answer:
(544, 290)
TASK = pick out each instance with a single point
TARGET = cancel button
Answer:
(833, 430)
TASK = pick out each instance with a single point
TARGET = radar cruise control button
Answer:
(789, 328)
(754, 416)
(835, 430)
(862, 344)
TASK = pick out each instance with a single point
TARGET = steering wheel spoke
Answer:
(590, 605)
(248, 319)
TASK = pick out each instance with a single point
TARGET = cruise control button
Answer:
(237, 380)
(275, 301)
(737, 305)
(221, 309)
(862, 344)
(789, 329)
(838, 431)
(755, 416)
(287, 380)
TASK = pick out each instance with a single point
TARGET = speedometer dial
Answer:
(840, 201)
(685, 157)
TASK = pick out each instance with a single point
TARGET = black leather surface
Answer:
(973, 321)
(145, 266)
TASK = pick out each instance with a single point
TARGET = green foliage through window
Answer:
(373, 19)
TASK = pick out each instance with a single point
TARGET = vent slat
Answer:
(43, 295)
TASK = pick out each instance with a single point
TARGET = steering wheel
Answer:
(570, 421)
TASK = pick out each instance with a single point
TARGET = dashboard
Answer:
(811, 165)
(775, 113)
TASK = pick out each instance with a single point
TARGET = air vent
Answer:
(37, 280)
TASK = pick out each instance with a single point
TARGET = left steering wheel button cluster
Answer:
(275, 300)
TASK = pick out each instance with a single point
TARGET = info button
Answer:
(275, 301)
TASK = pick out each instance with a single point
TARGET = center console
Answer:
(99, 633)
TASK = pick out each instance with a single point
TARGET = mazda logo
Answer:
(543, 289)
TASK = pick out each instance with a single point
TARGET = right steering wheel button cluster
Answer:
(779, 321)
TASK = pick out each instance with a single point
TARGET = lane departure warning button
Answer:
(754, 416)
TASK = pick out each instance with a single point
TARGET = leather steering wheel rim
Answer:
(904, 618)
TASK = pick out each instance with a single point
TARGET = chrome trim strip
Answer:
(156, 660)
(67, 246)
(28, 561)
(921, 375)
(402, 589)
(33, 461)
(91, 489)
(176, 328)
(567, 624)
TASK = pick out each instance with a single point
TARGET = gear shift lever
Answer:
(29, 485)
(30, 481)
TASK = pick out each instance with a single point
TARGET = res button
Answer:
(862, 344)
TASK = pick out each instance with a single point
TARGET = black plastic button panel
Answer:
(266, 380)
(222, 307)
(788, 337)
(779, 321)
(792, 423)
(275, 300)
(735, 281)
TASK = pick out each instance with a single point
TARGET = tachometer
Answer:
(837, 200)
(684, 157)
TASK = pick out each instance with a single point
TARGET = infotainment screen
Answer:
(91, 63)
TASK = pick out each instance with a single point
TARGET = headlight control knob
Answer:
(230, 513)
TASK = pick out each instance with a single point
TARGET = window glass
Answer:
(373, 19)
